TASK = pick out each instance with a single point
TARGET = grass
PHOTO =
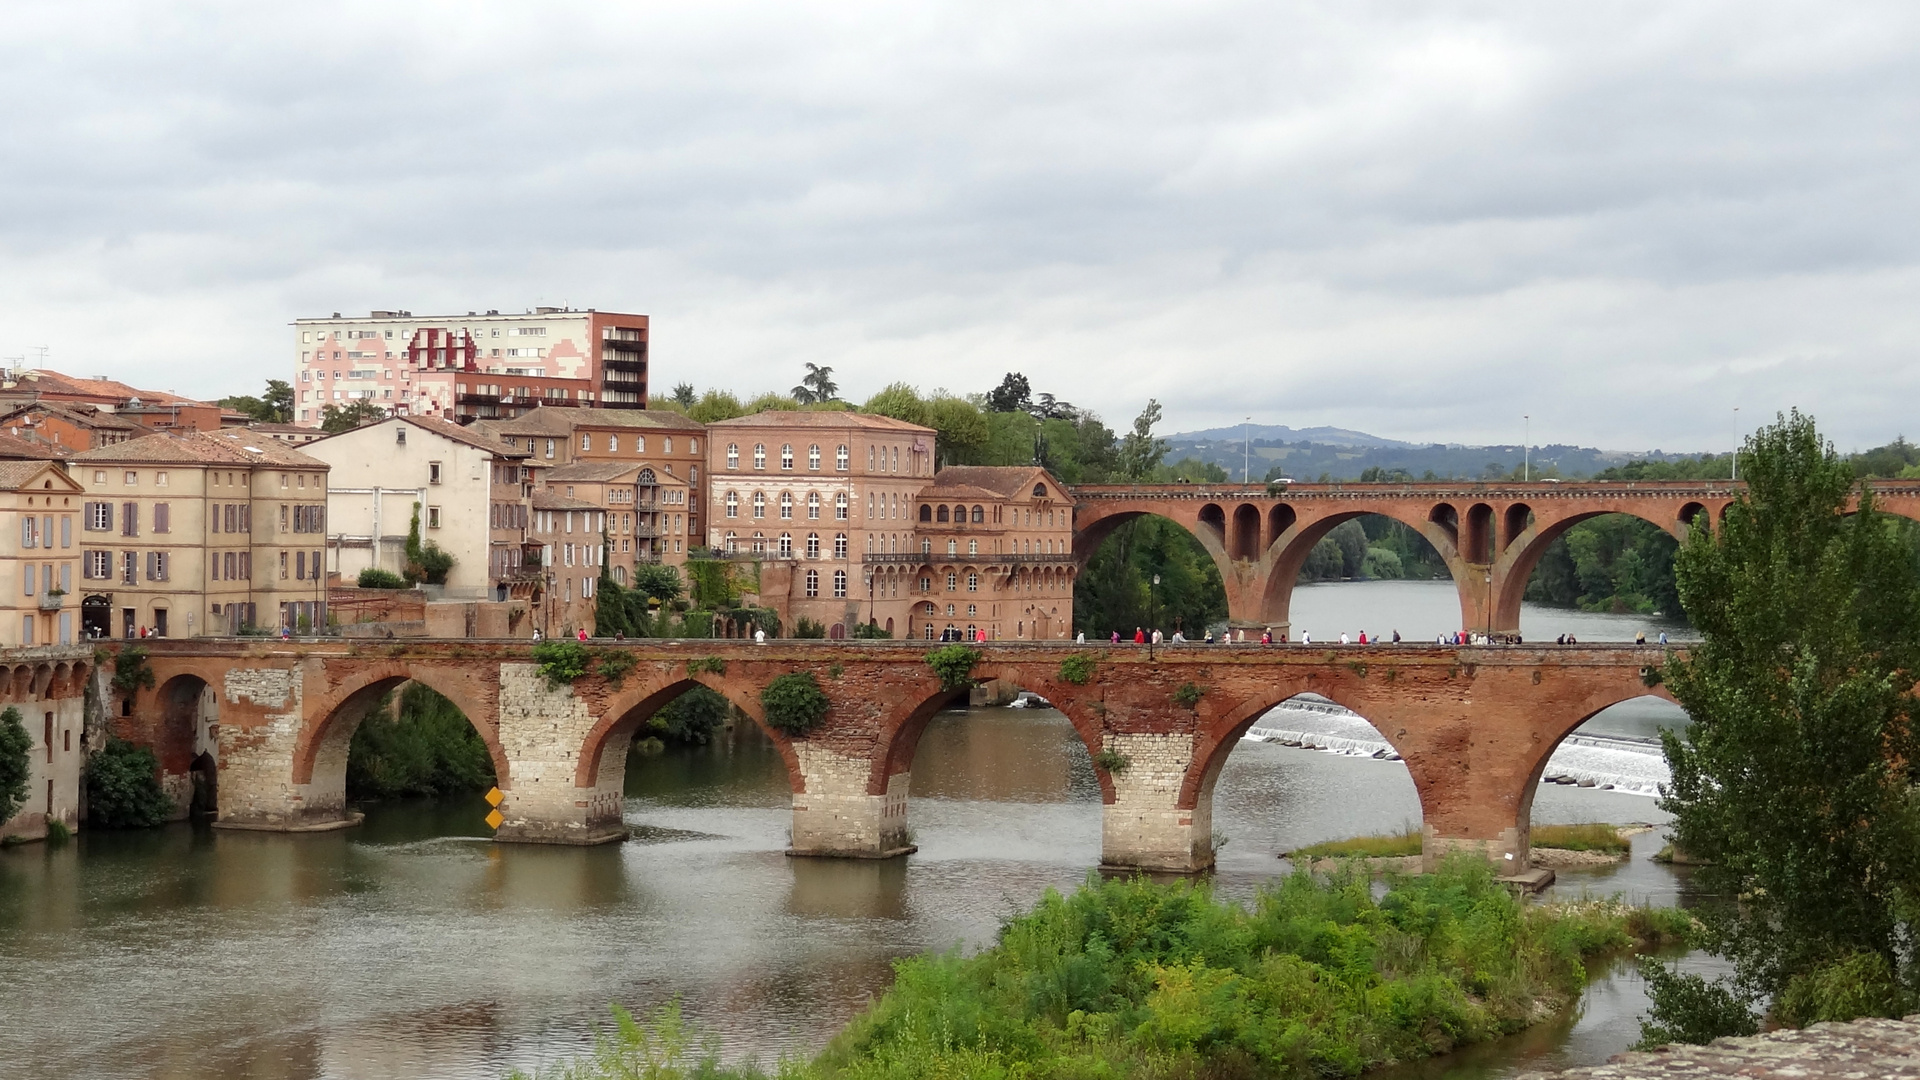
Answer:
(1130, 980)
(1368, 847)
(1592, 836)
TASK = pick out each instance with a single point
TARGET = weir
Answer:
(1474, 725)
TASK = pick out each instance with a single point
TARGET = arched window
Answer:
(759, 504)
(786, 456)
(786, 506)
(926, 512)
(786, 545)
(813, 506)
(733, 455)
(586, 441)
(839, 545)
(732, 542)
(813, 545)
(953, 547)
(613, 443)
(733, 504)
(959, 515)
(759, 542)
(953, 581)
(869, 543)
(1039, 491)
(759, 455)
(813, 583)
(842, 458)
(813, 458)
(640, 444)
(973, 547)
(840, 507)
(620, 574)
(941, 515)
(979, 515)
(926, 546)
(973, 582)
(839, 583)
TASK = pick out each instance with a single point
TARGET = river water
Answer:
(412, 947)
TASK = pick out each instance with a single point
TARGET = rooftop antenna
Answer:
(42, 358)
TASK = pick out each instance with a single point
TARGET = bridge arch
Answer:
(603, 752)
(1580, 713)
(320, 753)
(1289, 551)
(1520, 555)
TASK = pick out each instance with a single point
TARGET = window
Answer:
(973, 582)
(813, 545)
(840, 507)
(813, 583)
(953, 547)
(1039, 491)
(733, 455)
(162, 517)
(759, 504)
(96, 565)
(939, 515)
(130, 519)
(979, 515)
(129, 567)
(786, 545)
(953, 581)
(433, 517)
(786, 456)
(27, 529)
(813, 458)
(786, 506)
(840, 545)
(813, 506)
(433, 472)
(926, 512)
(613, 444)
(733, 504)
(842, 458)
(160, 479)
(156, 566)
(283, 566)
(586, 441)
(99, 517)
(759, 455)
(549, 449)
(973, 547)
(66, 530)
(131, 478)
(926, 547)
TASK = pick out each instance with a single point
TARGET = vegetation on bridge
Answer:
(16, 767)
(1314, 978)
(123, 788)
(954, 664)
(794, 703)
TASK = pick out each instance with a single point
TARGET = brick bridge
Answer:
(1475, 726)
(1490, 535)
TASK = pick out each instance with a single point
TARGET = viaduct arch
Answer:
(1475, 726)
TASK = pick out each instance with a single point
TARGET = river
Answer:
(412, 947)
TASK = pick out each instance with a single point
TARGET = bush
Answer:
(375, 578)
(1689, 1009)
(1846, 989)
(872, 632)
(794, 703)
(692, 718)
(613, 665)
(707, 665)
(807, 628)
(1188, 695)
(435, 564)
(1077, 669)
(131, 671)
(429, 749)
(16, 765)
(954, 664)
(561, 660)
(123, 788)
(1113, 761)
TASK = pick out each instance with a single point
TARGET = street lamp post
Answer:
(1152, 596)
(870, 612)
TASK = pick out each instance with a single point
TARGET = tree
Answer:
(715, 406)
(658, 581)
(1012, 395)
(334, 419)
(1794, 781)
(683, 395)
(816, 387)
(16, 763)
(1140, 451)
(273, 407)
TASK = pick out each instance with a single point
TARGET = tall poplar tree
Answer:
(1794, 781)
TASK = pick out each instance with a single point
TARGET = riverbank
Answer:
(1315, 976)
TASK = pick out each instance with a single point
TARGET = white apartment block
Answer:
(470, 367)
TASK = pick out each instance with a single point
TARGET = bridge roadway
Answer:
(1475, 726)
(1490, 535)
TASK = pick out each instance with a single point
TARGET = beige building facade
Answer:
(39, 554)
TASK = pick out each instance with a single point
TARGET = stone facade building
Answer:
(199, 532)
(995, 556)
(813, 495)
(39, 554)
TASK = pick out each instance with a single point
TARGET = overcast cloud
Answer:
(1421, 220)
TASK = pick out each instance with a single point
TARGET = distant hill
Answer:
(1342, 454)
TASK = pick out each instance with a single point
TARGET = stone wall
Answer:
(1859, 1050)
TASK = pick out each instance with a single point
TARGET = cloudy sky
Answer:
(1422, 220)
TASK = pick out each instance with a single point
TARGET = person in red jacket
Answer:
(1139, 636)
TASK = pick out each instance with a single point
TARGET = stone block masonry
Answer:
(1860, 1050)
(1474, 725)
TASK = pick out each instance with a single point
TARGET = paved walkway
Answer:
(1861, 1050)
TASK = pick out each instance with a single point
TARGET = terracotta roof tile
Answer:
(823, 419)
(562, 419)
(13, 474)
(548, 499)
(997, 481)
(235, 447)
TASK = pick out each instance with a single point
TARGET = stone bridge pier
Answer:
(1475, 727)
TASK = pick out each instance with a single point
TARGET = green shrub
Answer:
(807, 628)
(123, 788)
(375, 578)
(1845, 989)
(435, 564)
(711, 665)
(1689, 1009)
(131, 671)
(16, 763)
(1113, 761)
(1188, 695)
(1077, 669)
(613, 665)
(869, 631)
(561, 660)
(954, 664)
(430, 748)
(794, 703)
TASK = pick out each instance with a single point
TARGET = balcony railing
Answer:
(51, 601)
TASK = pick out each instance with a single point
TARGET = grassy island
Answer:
(1127, 979)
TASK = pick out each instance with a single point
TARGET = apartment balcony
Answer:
(476, 399)
(646, 531)
(624, 362)
(51, 601)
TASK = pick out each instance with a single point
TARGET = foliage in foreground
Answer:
(1793, 785)
(429, 749)
(1131, 979)
(16, 766)
(123, 788)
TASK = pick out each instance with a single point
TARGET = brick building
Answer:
(813, 495)
(995, 555)
(470, 367)
(672, 445)
(185, 533)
